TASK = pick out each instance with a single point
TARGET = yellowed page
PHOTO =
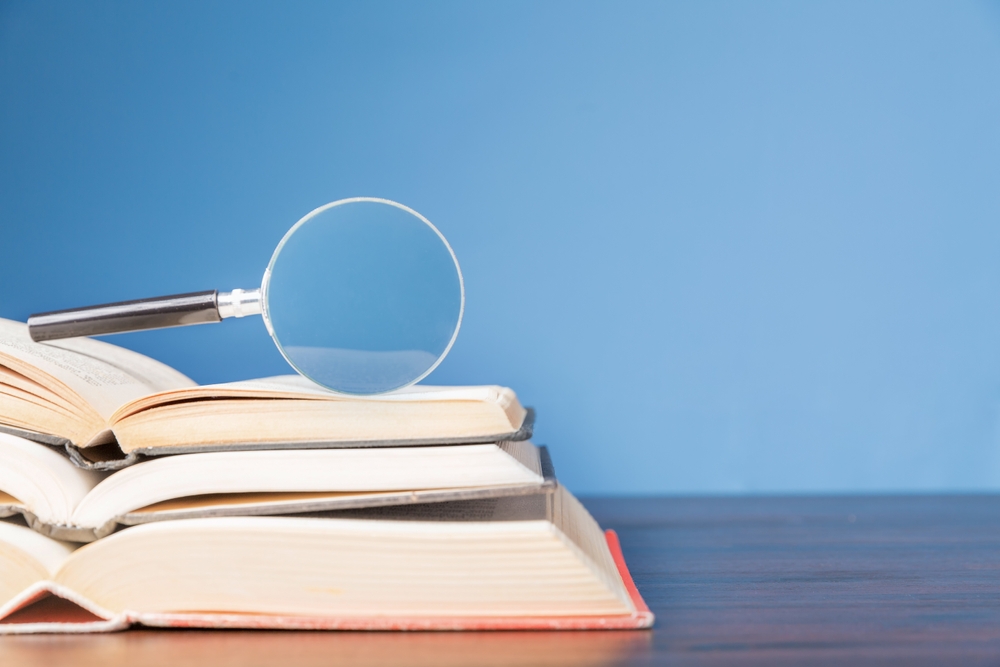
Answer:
(11, 380)
(48, 484)
(104, 376)
(298, 387)
(242, 421)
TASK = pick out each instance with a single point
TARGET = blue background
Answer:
(721, 247)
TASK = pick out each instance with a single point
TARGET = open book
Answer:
(109, 406)
(63, 501)
(536, 561)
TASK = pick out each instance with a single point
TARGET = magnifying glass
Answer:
(362, 296)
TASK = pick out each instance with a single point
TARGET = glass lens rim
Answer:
(268, 272)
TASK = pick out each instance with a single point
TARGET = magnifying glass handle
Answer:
(157, 313)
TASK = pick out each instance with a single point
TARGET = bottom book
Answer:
(529, 562)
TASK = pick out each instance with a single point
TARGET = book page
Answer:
(17, 384)
(310, 470)
(575, 522)
(44, 481)
(298, 387)
(533, 507)
(103, 375)
(49, 553)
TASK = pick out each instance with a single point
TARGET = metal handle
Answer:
(157, 313)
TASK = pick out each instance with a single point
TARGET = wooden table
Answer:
(741, 581)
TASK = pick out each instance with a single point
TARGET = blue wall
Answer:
(720, 246)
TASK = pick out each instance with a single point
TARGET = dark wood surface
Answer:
(828, 581)
(734, 581)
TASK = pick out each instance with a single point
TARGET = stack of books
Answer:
(131, 495)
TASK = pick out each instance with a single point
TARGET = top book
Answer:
(110, 406)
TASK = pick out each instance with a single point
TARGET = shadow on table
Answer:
(232, 648)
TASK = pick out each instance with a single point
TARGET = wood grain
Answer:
(741, 581)
(829, 580)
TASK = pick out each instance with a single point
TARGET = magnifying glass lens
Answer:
(363, 296)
